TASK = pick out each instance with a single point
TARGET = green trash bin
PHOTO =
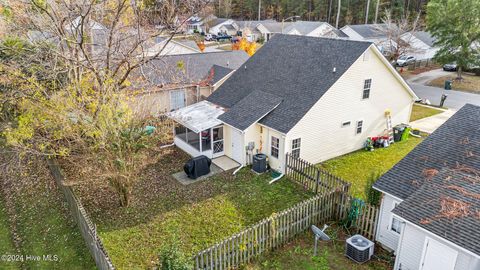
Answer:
(448, 85)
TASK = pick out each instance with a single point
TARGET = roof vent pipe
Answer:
(334, 69)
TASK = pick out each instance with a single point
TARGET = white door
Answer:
(177, 99)
(437, 256)
(237, 145)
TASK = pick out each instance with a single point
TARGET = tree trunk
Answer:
(329, 11)
(366, 12)
(338, 12)
(459, 73)
(376, 11)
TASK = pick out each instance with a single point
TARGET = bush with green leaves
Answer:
(373, 196)
(172, 258)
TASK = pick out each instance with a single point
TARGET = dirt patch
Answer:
(469, 83)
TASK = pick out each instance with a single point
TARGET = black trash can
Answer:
(197, 166)
(259, 164)
(448, 85)
(398, 132)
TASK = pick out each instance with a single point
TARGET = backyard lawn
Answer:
(421, 111)
(356, 167)
(42, 222)
(197, 215)
(6, 242)
(298, 255)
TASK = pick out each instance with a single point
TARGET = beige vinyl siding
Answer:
(323, 136)
(385, 235)
(227, 140)
(252, 134)
(410, 251)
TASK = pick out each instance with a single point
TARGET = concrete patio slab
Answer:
(430, 124)
(184, 180)
(225, 163)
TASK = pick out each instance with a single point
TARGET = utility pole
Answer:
(366, 12)
(259, 8)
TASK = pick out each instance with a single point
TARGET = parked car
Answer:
(405, 60)
(210, 37)
(450, 67)
(223, 37)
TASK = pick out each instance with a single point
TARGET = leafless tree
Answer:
(397, 43)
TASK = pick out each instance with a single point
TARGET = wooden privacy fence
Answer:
(366, 216)
(268, 234)
(86, 226)
(280, 228)
(312, 177)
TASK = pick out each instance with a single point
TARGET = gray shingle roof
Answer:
(250, 109)
(217, 73)
(275, 27)
(424, 207)
(303, 27)
(190, 68)
(425, 37)
(457, 141)
(369, 30)
(298, 69)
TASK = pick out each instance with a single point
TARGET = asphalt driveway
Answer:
(455, 99)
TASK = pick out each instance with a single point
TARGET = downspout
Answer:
(276, 178)
(238, 169)
(399, 248)
(167, 145)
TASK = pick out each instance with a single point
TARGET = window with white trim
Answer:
(367, 84)
(274, 147)
(296, 148)
(396, 223)
(359, 127)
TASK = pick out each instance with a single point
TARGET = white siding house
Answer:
(269, 111)
(421, 44)
(429, 210)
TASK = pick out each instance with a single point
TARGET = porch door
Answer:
(438, 256)
(177, 99)
(237, 145)
(217, 142)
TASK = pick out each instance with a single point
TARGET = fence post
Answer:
(318, 179)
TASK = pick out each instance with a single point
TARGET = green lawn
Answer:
(419, 112)
(298, 255)
(198, 215)
(43, 223)
(356, 167)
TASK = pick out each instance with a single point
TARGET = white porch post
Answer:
(200, 140)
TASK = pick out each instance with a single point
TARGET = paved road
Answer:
(455, 99)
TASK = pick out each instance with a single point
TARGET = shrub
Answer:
(373, 196)
(171, 258)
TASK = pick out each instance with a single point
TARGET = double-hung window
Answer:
(396, 224)
(359, 127)
(274, 147)
(367, 84)
(296, 148)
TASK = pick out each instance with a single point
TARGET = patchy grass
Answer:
(298, 255)
(356, 167)
(198, 215)
(42, 222)
(421, 111)
(6, 240)
(470, 83)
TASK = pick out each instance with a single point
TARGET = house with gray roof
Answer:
(172, 82)
(313, 29)
(322, 98)
(376, 33)
(430, 206)
(422, 44)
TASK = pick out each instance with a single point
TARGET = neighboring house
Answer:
(322, 98)
(215, 25)
(313, 29)
(376, 33)
(421, 44)
(172, 47)
(198, 24)
(431, 199)
(268, 29)
(173, 82)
